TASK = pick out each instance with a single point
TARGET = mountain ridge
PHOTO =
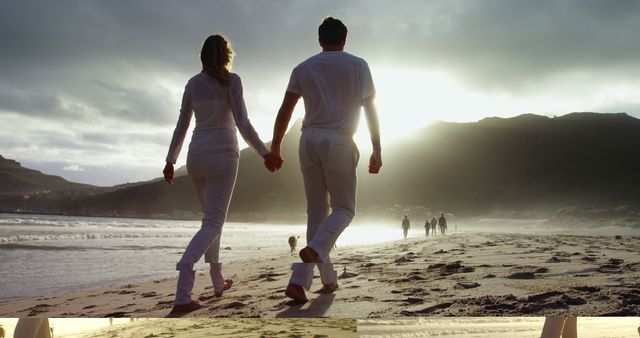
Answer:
(522, 163)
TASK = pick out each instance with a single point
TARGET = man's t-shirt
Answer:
(333, 86)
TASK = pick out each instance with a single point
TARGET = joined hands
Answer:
(273, 161)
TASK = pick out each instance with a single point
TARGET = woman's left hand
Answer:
(168, 173)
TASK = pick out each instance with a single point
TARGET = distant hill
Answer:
(528, 162)
(523, 163)
(256, 191)
(16, 179)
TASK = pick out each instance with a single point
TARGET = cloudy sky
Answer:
(90, 90)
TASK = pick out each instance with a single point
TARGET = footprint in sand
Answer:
(588, 289)
(522, 275)
(276, 297)
(555, 259)
(427, 310)
(465, 285)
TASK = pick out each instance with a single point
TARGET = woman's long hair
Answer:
(216, 56)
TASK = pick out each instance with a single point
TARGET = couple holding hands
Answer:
(334, 86)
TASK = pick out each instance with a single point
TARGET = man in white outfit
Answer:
(334, 86)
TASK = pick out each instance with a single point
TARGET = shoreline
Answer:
(464, 274)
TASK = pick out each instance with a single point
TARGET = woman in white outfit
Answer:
(215, 95)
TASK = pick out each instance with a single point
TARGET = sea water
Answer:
(44, 254)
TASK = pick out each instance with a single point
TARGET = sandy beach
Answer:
(464, 274)
(198, 327)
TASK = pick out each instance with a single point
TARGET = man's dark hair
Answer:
(332, 31)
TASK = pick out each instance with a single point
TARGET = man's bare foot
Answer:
(296, 292)
(227, 286)
(308, 255)
(328, 288)
(184, 308)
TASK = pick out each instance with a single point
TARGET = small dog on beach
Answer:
(293, 241)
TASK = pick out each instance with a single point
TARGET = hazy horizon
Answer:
(90, 90)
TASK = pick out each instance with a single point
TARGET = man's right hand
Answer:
(375, 163)
(168, 173)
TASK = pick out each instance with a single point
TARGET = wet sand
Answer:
(470, 274)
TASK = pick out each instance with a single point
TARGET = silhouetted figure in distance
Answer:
(442, 222)
(406, 224)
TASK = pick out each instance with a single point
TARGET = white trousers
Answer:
(32, 328)
(213, 178)
(328, 160)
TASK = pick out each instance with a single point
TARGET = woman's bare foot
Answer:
(328, 288)
(227, 286)
(308, 255)
(184, 308)
(296, 292)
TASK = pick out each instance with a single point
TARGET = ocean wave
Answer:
(88, 236)
(17, 246)
(94, 224)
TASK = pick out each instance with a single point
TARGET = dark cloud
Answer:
(100, 175)
(497, 43)
(507, 44)
(154, 105)
(37, 103)
(127, 138)
(110, 73)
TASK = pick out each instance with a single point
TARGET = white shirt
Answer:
(333, 86)
(216, 120)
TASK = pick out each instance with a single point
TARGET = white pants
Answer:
(213, 178)
(32, 328)
(328, 160)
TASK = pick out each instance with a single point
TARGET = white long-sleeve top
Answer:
(218, 111)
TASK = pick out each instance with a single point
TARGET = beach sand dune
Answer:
(471, 274)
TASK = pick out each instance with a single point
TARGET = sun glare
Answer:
(410, 99)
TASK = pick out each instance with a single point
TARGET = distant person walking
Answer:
(334, 85)
(215, 95)
(427, 226)
(442, 223)
(406, 224)
(434, 223)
